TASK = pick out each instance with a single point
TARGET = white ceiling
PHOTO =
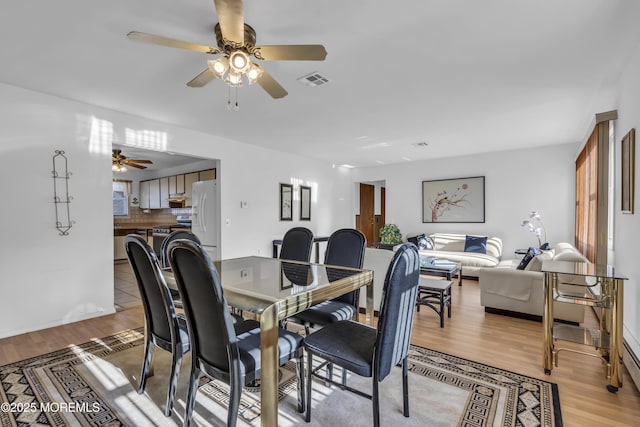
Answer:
(465, 76)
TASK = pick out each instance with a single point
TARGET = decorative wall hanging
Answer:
(305, 203)
(61, 198)
(453, 200)
(286, 202)
(628, 171)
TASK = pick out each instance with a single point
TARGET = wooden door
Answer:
(366, 212)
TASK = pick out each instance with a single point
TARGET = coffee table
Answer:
(435, 294)
(443, 268)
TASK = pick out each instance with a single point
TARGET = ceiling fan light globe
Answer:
(239, 61)
(233, 79)
(218, 66)
(254, 72)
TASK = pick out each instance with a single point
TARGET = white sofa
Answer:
(506, 290)
(451, 247)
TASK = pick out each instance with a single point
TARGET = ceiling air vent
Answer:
(421, 144)
(313, 79)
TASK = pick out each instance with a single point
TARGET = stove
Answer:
(160, 232)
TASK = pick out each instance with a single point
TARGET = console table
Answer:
(316, 241)
(607, 339)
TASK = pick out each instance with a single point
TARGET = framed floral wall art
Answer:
(453, 200)
(286, 202)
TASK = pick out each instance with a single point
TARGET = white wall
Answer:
(47, 279)
(627, 226)
(516, 182)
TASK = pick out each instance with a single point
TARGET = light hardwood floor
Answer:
(504, 342)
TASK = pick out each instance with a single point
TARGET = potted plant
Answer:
(390, 235)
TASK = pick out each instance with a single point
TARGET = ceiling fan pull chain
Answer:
(228, 97)
(237, 106)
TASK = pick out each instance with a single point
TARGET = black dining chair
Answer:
(217, 351)
(345, 248)
(163, 327)
(174, 235)
(297, 244)
(164, 256)
(367, 351)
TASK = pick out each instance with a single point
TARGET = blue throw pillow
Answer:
(477, 244)
(531, 253)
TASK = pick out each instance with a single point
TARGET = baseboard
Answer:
(632, 363)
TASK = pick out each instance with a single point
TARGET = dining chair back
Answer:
(297, 244)
(174, 235)
(163, 327)
(217, 351)
(376, 351)
(345, 248)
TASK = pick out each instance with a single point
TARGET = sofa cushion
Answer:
(470, 259)
(536, 263)
(455, 243)
(531, 253)
(421, 241)
(476, 244)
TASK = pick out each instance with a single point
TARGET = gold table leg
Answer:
(369, 307)
(615, 341)
(547, 323)
(269, 367)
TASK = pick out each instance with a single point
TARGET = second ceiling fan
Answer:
(236, 41)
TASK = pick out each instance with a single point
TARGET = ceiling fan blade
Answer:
(134, 165)
(139, 161)
(201, 79)
(272, 87)
(231, 18)
(294, 52)
(165, 41)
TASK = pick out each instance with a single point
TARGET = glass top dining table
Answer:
(274, 289)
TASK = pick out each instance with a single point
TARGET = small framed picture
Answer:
(628, 173)
(286, 202)
(305, 203)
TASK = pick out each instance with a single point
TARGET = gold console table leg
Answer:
(547, 322)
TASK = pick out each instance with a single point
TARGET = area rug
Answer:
(94, 384)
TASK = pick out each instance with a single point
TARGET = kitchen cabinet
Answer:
(207, 175)
(118, 248)
(164, 192)
(173, 183)
(180, 189)
(154, 194)
(189, 179)
(144, 195)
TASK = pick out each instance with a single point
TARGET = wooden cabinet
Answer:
(207, 175)
(144, 195)
(154, 194)
(189, 179)
(173, 184)
(180, 189)
(164, 192)
(118, 248)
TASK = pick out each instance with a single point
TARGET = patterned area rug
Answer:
(94, 384)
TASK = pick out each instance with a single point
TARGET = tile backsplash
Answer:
(160, 216)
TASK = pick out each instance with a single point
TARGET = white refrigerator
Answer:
(205, 220)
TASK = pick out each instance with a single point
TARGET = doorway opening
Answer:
(151, 206)
(371, 210)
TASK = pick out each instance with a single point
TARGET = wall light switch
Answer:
(244, 205)
(227, 222)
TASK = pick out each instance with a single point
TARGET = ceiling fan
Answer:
(119, 162)
(237, 42)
